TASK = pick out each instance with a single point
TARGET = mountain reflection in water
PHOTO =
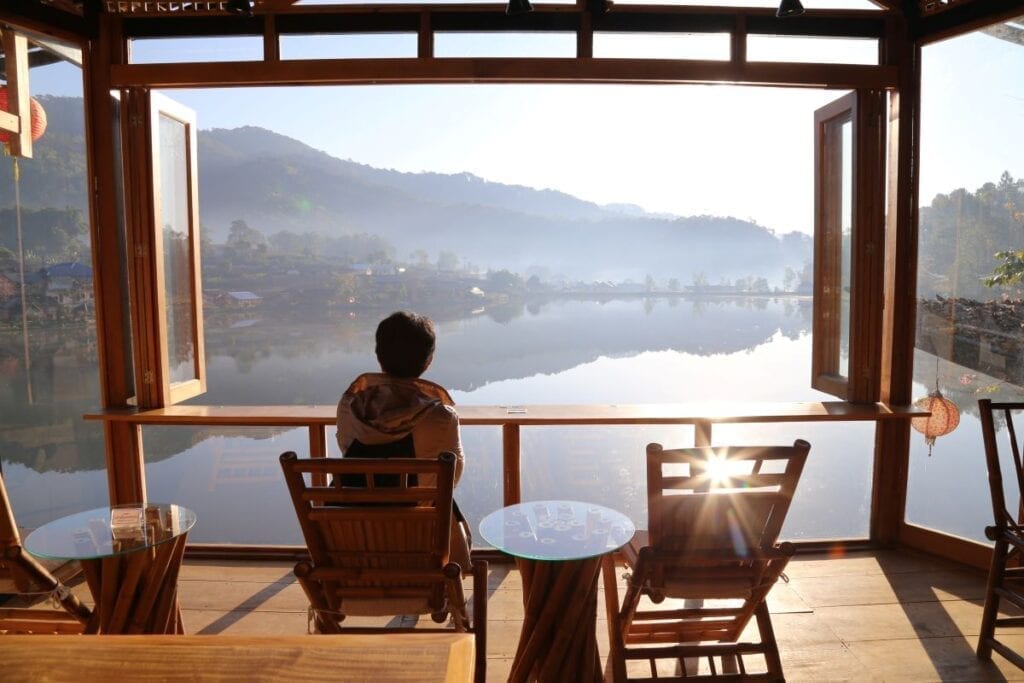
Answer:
(638, 350)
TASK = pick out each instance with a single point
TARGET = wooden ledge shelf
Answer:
(531, 415)
(703, 416)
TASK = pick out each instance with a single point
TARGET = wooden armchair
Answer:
(380, 550)
(1006, 575)
(20, 573)
(714, 516)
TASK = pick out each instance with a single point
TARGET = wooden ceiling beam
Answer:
(350, 19)
(499, 70)
(1007, 32)
(35, 16)
(965, 17)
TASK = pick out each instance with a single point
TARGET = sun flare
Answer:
(717, 469)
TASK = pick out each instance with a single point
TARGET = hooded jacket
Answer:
(379, 408)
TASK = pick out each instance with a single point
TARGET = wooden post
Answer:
(511, 463)
(19, 101)
(425, 37)
(271, 44)
(892, 439)
(125, 466)
(702, 433)
(318, 449)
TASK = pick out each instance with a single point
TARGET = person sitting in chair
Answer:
(395, 413)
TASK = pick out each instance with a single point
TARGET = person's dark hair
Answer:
(405, 344)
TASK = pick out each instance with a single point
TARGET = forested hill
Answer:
(962, 235)
(275, 183)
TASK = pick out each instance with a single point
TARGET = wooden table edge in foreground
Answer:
(426, 657)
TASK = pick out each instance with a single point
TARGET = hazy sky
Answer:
(725, 150)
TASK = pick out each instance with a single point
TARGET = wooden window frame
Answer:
(865, 110)
(141, 125)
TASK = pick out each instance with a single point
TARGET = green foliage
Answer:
(503, 281)
(48, 235)
(969, 241)
(447, 260)
(1009, 272)
(243, 239)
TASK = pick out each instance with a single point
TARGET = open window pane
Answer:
(845, 257)
(177, 270)
(177, 227)
(832, 239)
(849, 233)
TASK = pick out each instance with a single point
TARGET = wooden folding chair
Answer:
(1006, 575)
(714, 516)
(379, 550)
(21, 574)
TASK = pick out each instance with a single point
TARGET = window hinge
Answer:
(147, 377)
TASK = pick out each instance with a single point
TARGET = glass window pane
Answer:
(348, 46)
(52, 461)
(231, 479)
(970, 317)
(504, 44)
(174, 217)
(565, 257)
(846, 240)
(193, 50)
(812, 49)
(833, 498)
(710, 46)
(809, 4)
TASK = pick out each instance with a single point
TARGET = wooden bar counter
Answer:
(440, 658)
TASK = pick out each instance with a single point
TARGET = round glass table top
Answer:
(556, 530)
(105, 532)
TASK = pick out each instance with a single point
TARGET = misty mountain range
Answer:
(276, 183)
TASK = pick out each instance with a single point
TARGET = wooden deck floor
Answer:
(882, 616)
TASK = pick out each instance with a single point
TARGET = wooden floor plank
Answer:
(863, 616)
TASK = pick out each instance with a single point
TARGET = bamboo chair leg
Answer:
(616, 668)
(479, 624)
(314, 591)
(771, 652)
(110, 574)
(991, 611)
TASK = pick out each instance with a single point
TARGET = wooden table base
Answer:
(136, 592)
(558, 641)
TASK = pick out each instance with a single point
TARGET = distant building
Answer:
(8, 287)
(242, 299)
(73, 270)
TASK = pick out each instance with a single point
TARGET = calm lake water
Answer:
(638, 350)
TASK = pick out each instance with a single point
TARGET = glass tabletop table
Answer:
(556, 530)
(106, 532)
(130, 555)
(560, 547)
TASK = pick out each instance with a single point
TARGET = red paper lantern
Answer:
(944, 418)
(38, 117)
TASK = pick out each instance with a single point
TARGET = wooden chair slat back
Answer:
(383, 526)
(720, 498)
(993, 417)
(9, 538)
(8, 528)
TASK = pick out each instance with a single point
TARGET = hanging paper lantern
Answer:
(944, 418)
(37, 115)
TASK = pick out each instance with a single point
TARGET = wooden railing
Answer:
(316, 419)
